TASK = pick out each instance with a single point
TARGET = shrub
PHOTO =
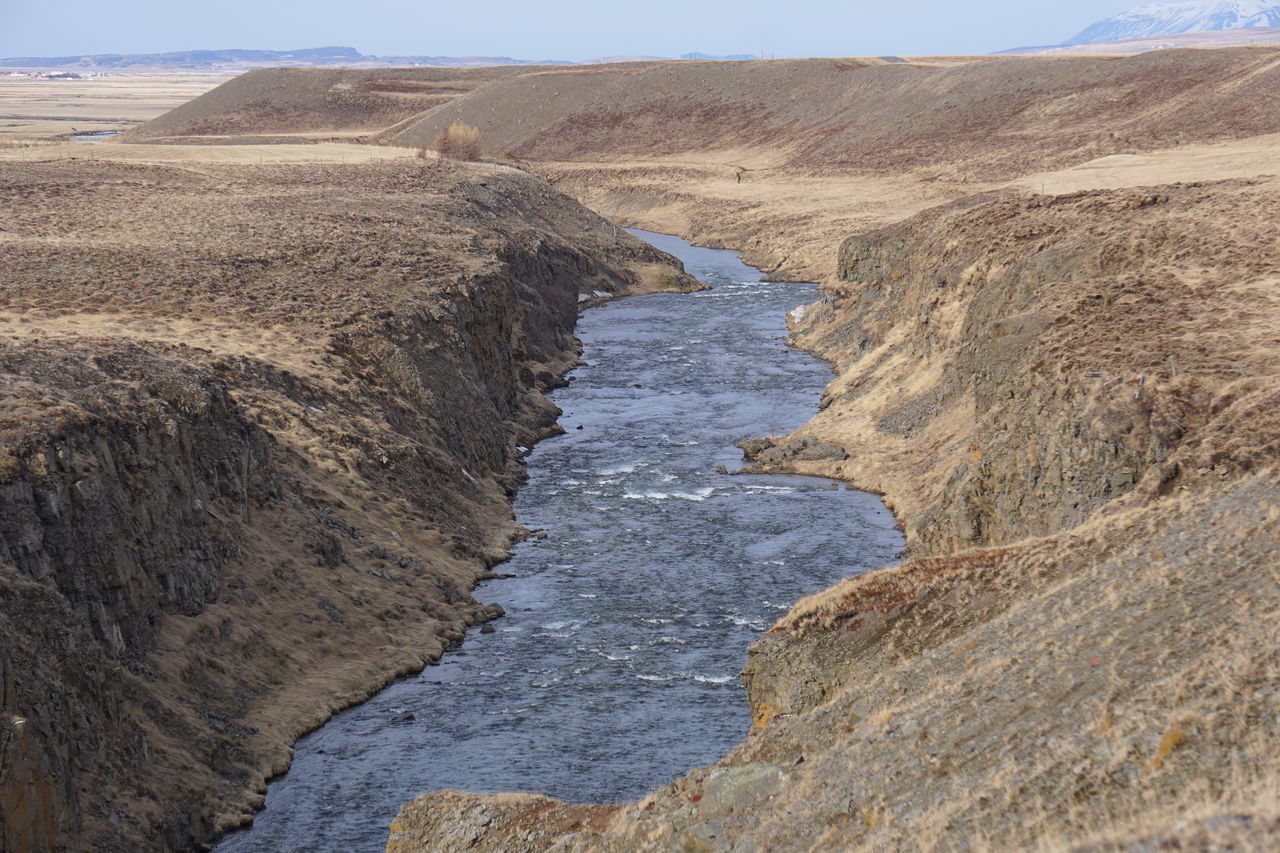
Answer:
(459, 141)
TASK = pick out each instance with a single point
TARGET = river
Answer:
(616, 667)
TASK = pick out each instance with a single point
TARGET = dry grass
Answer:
(281, 102)
(459, 141)
(54, 109)
(890, 589)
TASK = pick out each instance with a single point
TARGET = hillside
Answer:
(339, 102)
(260, 430)
(981, 119)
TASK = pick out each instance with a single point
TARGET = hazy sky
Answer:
(544, 29)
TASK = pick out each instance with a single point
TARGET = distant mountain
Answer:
(213, 60)
(1215, 38)
(1159, 19)
(737, 56)
(613, 60)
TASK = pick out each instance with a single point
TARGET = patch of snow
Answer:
(1157, 19)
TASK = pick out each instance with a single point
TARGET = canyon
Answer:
(260, 435)
(1049, 293)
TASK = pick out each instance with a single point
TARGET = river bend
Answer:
(616, 667)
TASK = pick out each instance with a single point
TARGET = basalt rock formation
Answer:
(260, 427)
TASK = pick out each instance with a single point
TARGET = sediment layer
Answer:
(260, 428)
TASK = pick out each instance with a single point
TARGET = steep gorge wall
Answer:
(1074, 361)
(116, 508)
(209, 543)
(1070, 403)
(1037, 331)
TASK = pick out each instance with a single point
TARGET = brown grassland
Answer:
(1050, 296)
(34, 111)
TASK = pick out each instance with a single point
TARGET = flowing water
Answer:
(94, 135)
(616, 667)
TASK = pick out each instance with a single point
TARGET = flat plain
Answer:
(34, 109)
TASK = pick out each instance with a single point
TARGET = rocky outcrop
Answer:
(122, 502)
(1069, 402)
(215, 533)
(767, 451)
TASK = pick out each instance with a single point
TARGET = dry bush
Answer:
(459, 141)
(423, 152)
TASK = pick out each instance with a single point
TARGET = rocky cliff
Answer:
(1070, 403)
(260, 427)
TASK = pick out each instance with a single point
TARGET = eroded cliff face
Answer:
(114, 503)
(1038, 350)
(258, 442)
(1070, 403)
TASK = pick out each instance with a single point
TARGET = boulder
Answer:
(753, 447)
(820, 452)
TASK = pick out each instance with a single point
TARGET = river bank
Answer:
(261, 414)
(615, 668)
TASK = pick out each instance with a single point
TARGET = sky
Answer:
(548, 29)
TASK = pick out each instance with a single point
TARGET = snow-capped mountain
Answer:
(1166, 18)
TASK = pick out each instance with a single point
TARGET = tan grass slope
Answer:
(270, 102)
(994, 117)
